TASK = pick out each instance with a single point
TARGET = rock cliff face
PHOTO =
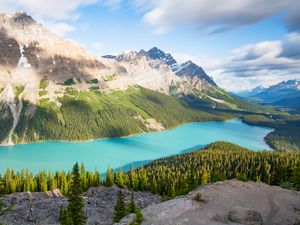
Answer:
(43, 208)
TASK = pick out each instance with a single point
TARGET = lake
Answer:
(136, 149)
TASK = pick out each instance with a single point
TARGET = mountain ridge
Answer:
(285, 95)
(46, 82)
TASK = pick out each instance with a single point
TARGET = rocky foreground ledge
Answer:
(229, 202)
(42, 208)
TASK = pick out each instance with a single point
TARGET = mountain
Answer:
(185, 76)
(51, 88)
(248, 93)
(285, 94)
(158, 54)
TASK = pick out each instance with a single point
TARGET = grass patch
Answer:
(42, 93)
(44, 83)
(18, 90)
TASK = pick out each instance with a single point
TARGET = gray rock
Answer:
(244, 216)
(43, 208)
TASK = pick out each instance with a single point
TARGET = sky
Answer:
(241, 44)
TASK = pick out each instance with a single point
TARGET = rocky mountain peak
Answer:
(191, 70)
(23, 18)
(156, 53)
(16, 19)
(288, 85)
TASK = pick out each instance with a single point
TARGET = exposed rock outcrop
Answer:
(43, 208)
(229, 202)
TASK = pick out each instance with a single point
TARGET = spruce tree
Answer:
(134, 179)
(119, 179)
(83, 177)
(42, 182)
(204, 177)
(139, 218)
(120, 208)
(143, 179)
(131, 206)
(109, 181)
(153, 185)
(64, 217)
(76, 204)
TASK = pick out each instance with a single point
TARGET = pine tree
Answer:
(119, 179)
(43, 182)
(52, 183)
(64, 188)
(153, 185)
(76, 204)
(109, 177)
(139, 218)
(131, 206)
(133, 179)
(96, 179)
(64, 217)
(120, 208)
(295, 179)
(204, 177)
(83, 176)
(143, 180)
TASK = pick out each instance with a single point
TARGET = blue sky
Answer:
(246, 42)
(122, 28)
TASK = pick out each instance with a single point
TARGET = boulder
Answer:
(244, 216)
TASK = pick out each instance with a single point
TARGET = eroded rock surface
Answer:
(230, 202)
(43, 208)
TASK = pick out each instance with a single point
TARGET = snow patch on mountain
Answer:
(8, 97)
(23, 60)
(216, 99)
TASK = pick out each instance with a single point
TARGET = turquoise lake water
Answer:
(134, 149)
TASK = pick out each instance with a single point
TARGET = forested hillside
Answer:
(83, 115)
(175, 175)
(286, 134)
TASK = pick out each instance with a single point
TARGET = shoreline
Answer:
(130, 135)
(105, 138)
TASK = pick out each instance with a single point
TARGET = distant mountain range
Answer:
(285, 94)
(51, 88)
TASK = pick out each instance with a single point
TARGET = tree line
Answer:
(175, 175)
(24, 181)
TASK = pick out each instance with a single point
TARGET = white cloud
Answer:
(60, 28)
(55, 14)
(54, 9)
(208, 63)
(214, 15)
(291, 46)
(266, 49)
(264, 63)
